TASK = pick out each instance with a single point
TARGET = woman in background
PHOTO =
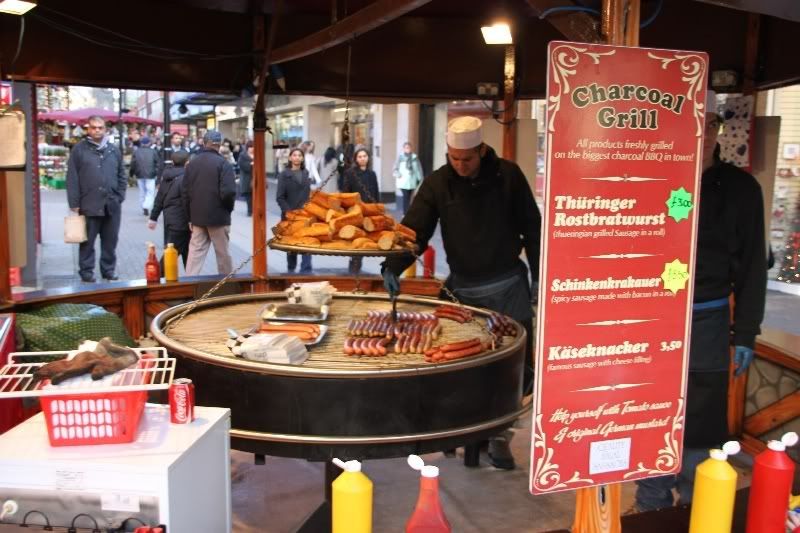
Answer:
(329, 168)
(294, 188)
(361, 179)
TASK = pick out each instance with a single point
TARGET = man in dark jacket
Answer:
(731, 259)
(144, 166)
(488, 217)
(175, 145)
(208, 194)
(168, 200)
(96, 186)
(246, 176)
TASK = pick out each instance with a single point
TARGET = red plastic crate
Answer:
(103, 418)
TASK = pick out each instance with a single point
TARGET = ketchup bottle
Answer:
(428, 515)
(773, 472)
(152, 271)
(429, 262)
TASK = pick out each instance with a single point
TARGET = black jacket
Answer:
(291, 193)
(168, 199)
(95, 178)
(245, 172)
(731, 247)
(209, 189)
(364, 182)
(486, 221)
(145, 163)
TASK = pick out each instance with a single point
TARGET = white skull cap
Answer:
(464, 133)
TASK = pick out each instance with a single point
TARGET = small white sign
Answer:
(609, 455)
(115, 501)
(70, 480)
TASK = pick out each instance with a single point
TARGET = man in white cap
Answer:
(731, 258)
(488, 216)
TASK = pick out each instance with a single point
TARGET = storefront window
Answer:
(288, 128)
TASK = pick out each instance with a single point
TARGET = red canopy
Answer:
(80, 116)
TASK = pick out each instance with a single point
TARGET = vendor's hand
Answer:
(742, 359)
(151, 224)
(74, 209)
(391, 283)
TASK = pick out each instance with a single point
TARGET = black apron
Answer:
(509, 294)
(707, 389)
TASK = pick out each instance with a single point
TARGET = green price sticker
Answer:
(679, 204)
(675, 276)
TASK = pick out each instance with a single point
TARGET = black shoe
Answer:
(146, 212)
(110, 277)
(88, 278)
(450, 453)
(500, 453)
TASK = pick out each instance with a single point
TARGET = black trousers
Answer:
(180, 238)
(407, 196)
(248, 197)
(107, 227)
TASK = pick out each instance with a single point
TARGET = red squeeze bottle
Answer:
(152, 270)
(773, 472)
(429, 263)
(428, 515)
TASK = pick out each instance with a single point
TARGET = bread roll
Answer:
(353, 219)
(337, 244)
(314, 230)
(378, 223)
(325, 200)
(293, 240)
(316, 210)
(347, 199)
(365, 243)
(351, 232)
(370, 210)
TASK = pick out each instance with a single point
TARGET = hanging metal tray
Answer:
(316, 250)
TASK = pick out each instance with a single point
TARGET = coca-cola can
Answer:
(181, 401)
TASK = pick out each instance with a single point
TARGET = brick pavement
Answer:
(58, 262)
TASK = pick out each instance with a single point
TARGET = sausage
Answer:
(361, 349)
(451, 316)
(348, 346)
(426, 345)
(463, 353)
(382, 346)
(309, 328)
(461, 345)
(412, 343)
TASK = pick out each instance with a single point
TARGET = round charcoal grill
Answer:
(340, 405)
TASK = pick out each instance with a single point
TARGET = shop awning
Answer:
(80, 116)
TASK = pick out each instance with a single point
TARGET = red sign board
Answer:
(624, 153)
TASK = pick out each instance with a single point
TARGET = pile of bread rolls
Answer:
(341, 221)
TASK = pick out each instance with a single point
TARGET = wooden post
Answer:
(259, 182)
(5, 253)
(593, 513)
(509, 107)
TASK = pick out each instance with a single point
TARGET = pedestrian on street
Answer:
(488, 216)
(246, 176)
(294, 187)
(209, 194)
(175, 145)
(361, 179)
(96, 186)
(329, 170)
(144, 167)
(731, 259)
(407, 174)
(168, 199)
(311, 162)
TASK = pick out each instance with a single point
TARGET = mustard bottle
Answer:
(411, 271)
(170, 263)
(352, 499)
(714, 492)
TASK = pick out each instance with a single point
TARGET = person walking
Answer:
(96, 186)
(246, 176)
(361, 179)
(328, 171)
(311, 162)
(294, 187)
(208, 195)
(488, 216)
(407, 174)
(168, 199)
(144, 167)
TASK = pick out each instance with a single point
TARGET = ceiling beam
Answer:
(362, 21)
(574, 25)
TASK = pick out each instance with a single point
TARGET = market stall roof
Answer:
(80, 116)
(402, 49)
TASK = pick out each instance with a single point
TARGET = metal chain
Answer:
(212, 290)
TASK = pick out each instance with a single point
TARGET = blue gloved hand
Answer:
(391, 283)
(742, 359)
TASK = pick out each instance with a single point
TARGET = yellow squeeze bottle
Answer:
(170, 263)
(714, 492)
(352, 499)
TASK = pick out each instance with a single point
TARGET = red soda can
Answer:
(181, 401)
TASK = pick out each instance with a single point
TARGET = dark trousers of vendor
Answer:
(107, 227)
(706, 406)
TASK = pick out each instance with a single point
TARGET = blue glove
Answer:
(391, 283)
(742, 359)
